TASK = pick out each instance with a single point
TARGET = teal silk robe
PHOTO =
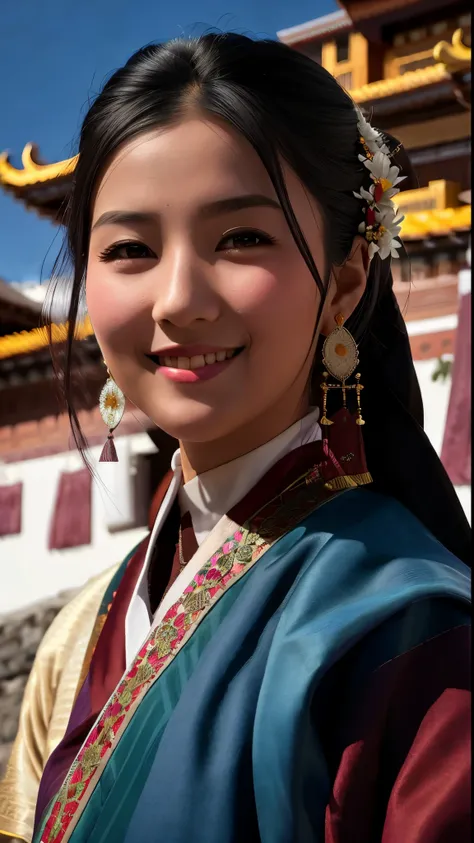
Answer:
(308, 687)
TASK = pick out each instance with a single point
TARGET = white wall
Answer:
(28, 570)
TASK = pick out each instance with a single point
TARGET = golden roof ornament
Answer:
(24, 342)
(455, 56)
(33, 171)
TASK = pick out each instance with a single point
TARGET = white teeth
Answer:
(197, 362)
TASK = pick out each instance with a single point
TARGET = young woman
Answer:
(285, 658)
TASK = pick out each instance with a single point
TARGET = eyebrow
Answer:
(123, 218)
(236, 203)
(211, 209)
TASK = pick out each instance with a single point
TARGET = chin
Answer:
(201, 423)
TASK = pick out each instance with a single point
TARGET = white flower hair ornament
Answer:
(382, 223)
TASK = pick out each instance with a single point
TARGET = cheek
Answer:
(115, 310)
(278, 307)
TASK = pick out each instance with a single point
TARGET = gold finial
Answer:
(33, 172)
(454, 56)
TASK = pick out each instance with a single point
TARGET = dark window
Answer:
(342, 48)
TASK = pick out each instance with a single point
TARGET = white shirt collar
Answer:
(210, 495)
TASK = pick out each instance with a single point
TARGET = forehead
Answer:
(190, 162)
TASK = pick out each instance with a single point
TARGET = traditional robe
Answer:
(303, 678)
(48, 699)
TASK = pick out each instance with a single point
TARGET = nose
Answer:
(184, 292)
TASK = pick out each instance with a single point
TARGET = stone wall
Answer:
(20, 636)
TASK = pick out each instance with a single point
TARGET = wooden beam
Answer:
(441, 130)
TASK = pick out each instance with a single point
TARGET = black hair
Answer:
(288, 108)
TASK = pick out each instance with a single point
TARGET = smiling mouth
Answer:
(198, 361)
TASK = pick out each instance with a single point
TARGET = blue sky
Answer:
(55, 55)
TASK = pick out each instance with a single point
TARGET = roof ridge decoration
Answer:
(24, 342)
(454, 56)
(449, 57)
(399, 84)
(33, 171)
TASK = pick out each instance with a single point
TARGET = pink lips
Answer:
(203, 373)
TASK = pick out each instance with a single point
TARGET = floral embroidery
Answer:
(236, 555)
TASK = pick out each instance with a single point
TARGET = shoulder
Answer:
(384, 526)
(364, 558)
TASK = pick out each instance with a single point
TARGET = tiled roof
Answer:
(400, 84)
(27, 341)
(315, 29)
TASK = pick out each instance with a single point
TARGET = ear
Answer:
(347, 285)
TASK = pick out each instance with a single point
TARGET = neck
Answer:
(198, 457)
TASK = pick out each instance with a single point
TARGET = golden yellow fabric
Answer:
(47, 704)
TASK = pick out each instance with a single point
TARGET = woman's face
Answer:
(202, 305)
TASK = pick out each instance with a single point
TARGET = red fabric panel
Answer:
(10, 509)
(108, 662)
(456, 450)
(158, 498)
(430, 801)
(71, 524)
(402, 772)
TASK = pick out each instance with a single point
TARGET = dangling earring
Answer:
(343, 443)
(341, 358)
(111, 406)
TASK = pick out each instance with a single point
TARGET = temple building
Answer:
(407, 63)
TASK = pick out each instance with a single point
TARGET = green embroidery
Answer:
(226, 563)
(244, 554)
(144, 672)
(195, 601)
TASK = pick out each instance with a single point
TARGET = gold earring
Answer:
(341, 358)
(111, 406)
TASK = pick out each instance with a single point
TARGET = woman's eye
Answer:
(126, 251)
(240, 240)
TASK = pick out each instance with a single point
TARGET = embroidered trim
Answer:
(235, 557)
(349, 481)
